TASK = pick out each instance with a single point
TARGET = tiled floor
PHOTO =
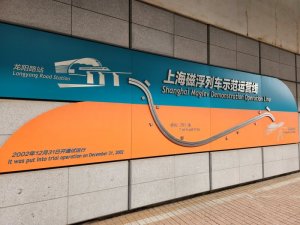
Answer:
(275, 201)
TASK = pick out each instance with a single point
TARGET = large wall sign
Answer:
(131, 104)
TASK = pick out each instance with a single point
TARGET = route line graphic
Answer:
(183, 143)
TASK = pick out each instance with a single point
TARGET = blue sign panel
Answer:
(41, 65)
